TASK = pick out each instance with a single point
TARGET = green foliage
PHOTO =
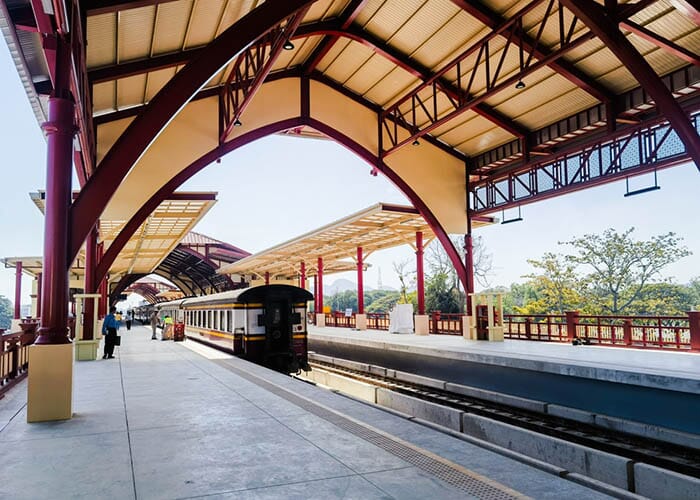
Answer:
(664, 299)
(554, 286)
(440, 296)
(620, 267)
(342, 300)
(6, 312)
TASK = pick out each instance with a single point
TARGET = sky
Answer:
(281, 187)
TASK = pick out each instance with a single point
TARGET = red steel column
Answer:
(320, 285)
(90, 265)
(469, 264)
(18, 288)
(101, 289)
(267, 278)
(302, 276)
(315, 293)
(59, 130)
(420, 277)
(360, 285)
(38, 295)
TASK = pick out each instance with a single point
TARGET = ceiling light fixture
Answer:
(237, 123)
(520, 85)
(416, 143)
(288, 45)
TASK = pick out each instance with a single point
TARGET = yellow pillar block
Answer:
(50, 391)
(361, 321)
(422, 324)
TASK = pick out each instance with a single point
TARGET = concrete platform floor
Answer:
(179, 420)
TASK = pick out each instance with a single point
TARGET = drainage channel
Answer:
(453, 474)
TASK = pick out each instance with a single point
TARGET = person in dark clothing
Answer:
(128, 320)
(109, 330)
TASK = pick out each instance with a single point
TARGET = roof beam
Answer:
(492, 20)
(349, 15)
(96, 7)
(605, 27)
(333, 29)
(661, 42)
(140, 133)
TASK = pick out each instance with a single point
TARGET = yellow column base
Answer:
(86, 350)
(50, 391)
(422, 324)
(495, 333)
(321, 320)
(361, 321)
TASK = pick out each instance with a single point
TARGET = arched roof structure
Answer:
(467, 106)
(192, 266)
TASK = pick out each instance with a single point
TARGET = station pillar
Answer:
(302, 275)
(421, 321)
(18, 290)
(267, 277)
(50, 387)
(320, 316)
(38, 295)
(469, 288)
(360, 317)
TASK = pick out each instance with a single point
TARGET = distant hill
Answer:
(343, 285)
(339, 285)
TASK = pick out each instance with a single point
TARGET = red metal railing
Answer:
(646, 332)
(446, 323)
(14, 358)
(339, 319)
(643, 332)
(548, 328)
(378, 321)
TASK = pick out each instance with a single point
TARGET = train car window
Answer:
(199, 318)
(222, 321)
(261, 320)
(296, 318)
(216, 320)
(229, 321)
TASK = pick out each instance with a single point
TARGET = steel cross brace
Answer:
(428, 106)
(249, 71)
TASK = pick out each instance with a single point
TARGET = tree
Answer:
(383, 303)
(620, 266)
(440, 296)
(439, 262)
(555, 284)
(401, 269)
(663, 299)
(6, 312)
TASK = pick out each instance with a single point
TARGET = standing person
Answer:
(109, 330)
(154, 324)
(128, 320)
(167, 328)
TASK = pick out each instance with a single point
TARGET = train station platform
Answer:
(179, 420)
(650, 387)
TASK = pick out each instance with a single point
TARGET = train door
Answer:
(278, 332)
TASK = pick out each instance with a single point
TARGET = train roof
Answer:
(244, 295)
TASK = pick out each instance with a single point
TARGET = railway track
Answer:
(668, 456)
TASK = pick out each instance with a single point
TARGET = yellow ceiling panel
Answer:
(348, 62)
(484, 142)
(392, 15)
(156, 81)
(235, 9)
(204, 22)
(101, 51)
(369, 11)
(130, 91)
(375, 69)
(135, 33)
(103, 97)
(423, 25)
(558, 106)
(171, 26)
(450, 40)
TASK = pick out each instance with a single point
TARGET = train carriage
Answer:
(264, 324)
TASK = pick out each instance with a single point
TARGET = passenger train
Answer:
(263, 324)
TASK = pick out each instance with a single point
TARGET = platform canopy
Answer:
(375, 228)
(468, 107)
(156, 237)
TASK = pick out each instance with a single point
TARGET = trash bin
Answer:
(179, 332)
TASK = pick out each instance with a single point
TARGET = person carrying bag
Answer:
(109, 330)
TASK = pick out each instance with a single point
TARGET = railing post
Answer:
(626, 332)
(434, 322)
(14, 355)
(528, 328)
(694, 327)
(571, 324)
